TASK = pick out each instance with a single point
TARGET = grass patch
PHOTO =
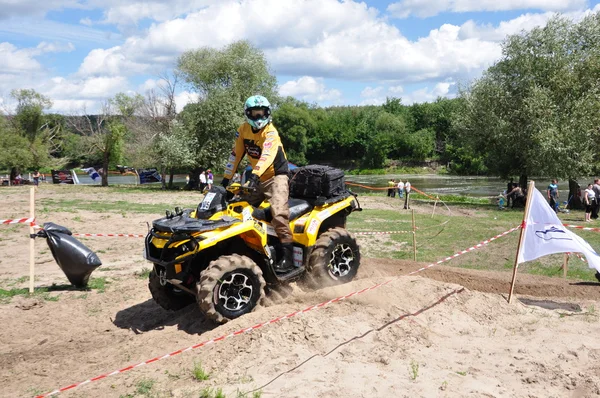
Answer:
(145, 386)
(120, 206)
(198, 372)
(445, 234)
(98, 284)
(144, 273)
(211, 393)
(255, 394)
(44, 293)
(414, 370)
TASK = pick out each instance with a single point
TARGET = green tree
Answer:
(14, 148)
(224, 79)
(29, 121)
(238, 68)
(536, 111)
(294, 122)
(105, 133)
(30, 111)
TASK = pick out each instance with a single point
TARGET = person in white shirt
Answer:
(202, 181)
(589, 198)
(407, 192)
(400, 189)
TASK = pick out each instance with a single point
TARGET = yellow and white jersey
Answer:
(264, 149)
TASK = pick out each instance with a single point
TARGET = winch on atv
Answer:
(223, 253)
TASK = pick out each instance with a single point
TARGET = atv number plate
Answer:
(207, 201)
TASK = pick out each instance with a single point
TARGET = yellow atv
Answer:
(223, 254)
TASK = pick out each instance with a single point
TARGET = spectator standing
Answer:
(209, 178)
(400, 189)
(552, 192)
(589, 198)
(36, 178)
(517, 196)
(202, 181)
(509, 187)
(407, 188)
(596, 207)
(391, 188)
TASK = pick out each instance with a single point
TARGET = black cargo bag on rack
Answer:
(75, 259)
(314, 181)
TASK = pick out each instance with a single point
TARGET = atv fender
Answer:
(253, 232)
(315, 219)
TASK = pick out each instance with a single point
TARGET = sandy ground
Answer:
(448, 332)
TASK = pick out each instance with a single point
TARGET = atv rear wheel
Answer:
(334, 260)
(229, 287)
(166, 295)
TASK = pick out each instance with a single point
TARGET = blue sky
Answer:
(330, 52)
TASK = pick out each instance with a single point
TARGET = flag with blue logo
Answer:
(545, 234)
(92, 173)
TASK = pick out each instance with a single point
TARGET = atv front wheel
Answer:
(229, 287)
(166, 295)
(334, 259)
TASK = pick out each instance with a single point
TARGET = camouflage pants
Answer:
(276, 191)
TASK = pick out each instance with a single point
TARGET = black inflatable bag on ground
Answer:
(315, 181)
(75, 259)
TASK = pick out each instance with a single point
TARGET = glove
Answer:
(225, 182)
(252, 182)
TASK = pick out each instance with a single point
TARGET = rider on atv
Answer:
(259, 139)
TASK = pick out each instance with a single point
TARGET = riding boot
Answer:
(287, 260)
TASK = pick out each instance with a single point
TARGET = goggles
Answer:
(258, 113)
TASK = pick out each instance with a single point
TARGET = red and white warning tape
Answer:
(18, 221)
(383, 233)
(583, 228)
(578, 256)
(274, 320)
(470, 249)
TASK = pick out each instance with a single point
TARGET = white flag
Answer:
(545, 234)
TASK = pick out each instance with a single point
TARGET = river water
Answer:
(430, 183)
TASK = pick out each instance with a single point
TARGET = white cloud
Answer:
(93, 89)
(372, 101)
(75, 106)
(396, 90)
(345, 40)
(18, 61)
(442, 89)
(429, 8)
(113, 62)
(130, 13)
(15, 61)
(332, 43)
(309, 89)
(370, 92)
(184, 98)
(149, 84)
(86, 21)
(379, 95)
(525, 22)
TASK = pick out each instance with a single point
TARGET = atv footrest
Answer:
(294, 274)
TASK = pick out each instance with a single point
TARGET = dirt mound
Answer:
(487, 281)
(413, 337)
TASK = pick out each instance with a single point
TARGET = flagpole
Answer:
(530, 188)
